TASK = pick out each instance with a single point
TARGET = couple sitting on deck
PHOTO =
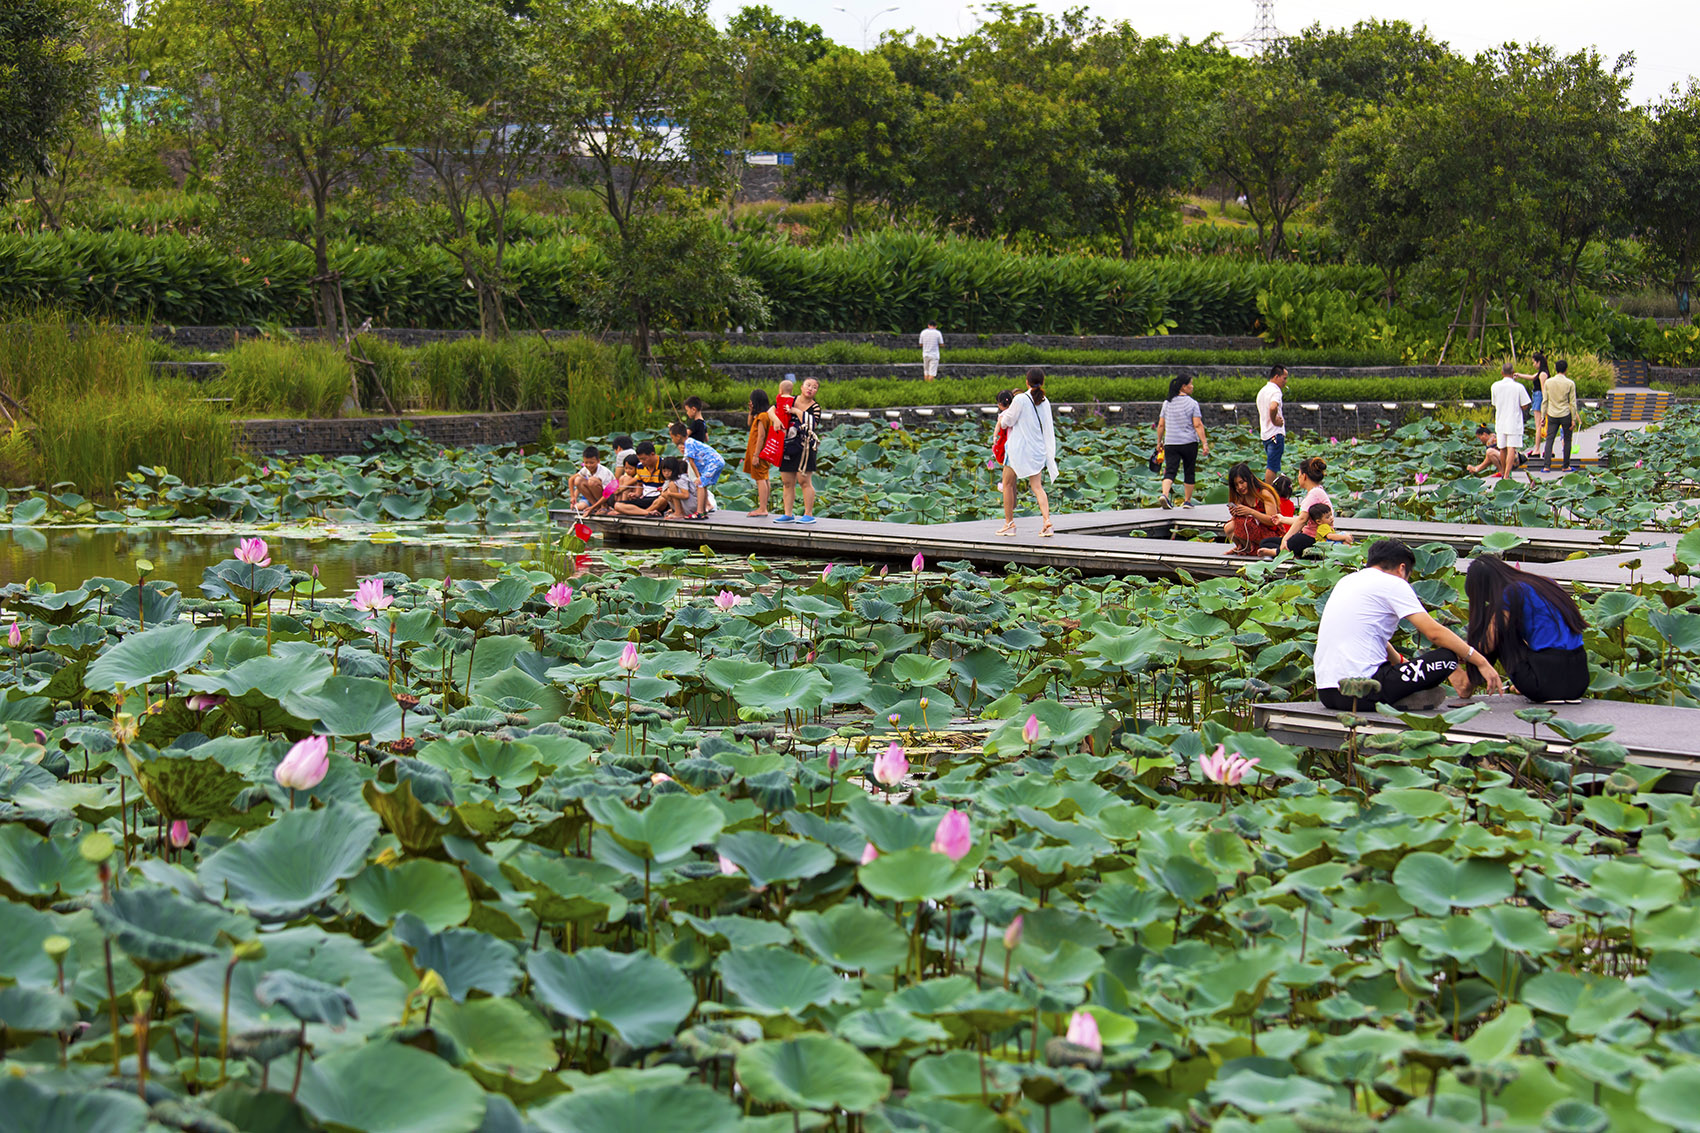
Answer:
(1523, 621)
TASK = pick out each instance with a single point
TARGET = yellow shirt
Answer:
(1560, 397)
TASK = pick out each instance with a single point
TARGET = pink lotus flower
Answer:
(1012, 934)
(558, 595)
(1637, 464)
(1421, 477)
(895, 425)
(370, 596)
(725, 600)
(659, 778)
(306, 764)
(869, 853)
(1228, 770)
(253, 551)
(832, 760)
(629, 659)
(885, 570)
(1030, 730)
(14, 636)
(826, 572)
(918, 563)
(953, 838)
(1083, 1031)
(1333, 440)
(203, 701)
(727, 865)
(890, 766)
(180, 833)
(992, 464)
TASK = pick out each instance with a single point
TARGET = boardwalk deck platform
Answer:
(1654, 735)
(1128, 541)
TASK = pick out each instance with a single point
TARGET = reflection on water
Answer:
(67, 557)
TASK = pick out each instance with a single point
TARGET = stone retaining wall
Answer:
(344, 435)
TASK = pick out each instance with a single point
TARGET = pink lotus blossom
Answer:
(869, 853)
(370, 596)
(253, 551)
(895, 425)
(180, 833)
(885, 570)
(629, 659)
(659, 778)
(727, 865)
(1083, 1031)
(832, 760)
(1012, 934)
(558, 595)
(1333, 440)
(306, 764)
(14, 636)
(826, 572)
(953, 838)
(918, 563)
(1228, 770)
(1030, 730)
(725, 600)
(1637, 464)
(1421, 477)
(991, 463)
(891, 766)
(203, 701)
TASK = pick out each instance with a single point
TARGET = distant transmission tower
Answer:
(1264, 33)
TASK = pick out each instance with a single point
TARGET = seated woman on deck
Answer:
(1529, 625)
(1255, 508)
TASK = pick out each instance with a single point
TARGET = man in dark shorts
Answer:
(1271, 423)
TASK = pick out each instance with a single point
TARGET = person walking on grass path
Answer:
(1181, 440)
(1354, 640)
(1561, 412)
(802, 451)
(1509, 399)
(931, 340)
(1271, 424)
(1029, 450)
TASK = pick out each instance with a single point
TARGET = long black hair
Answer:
(1176, 385)
(1036, 385)
(758, 403)
(1488, 584)
(1540, 358)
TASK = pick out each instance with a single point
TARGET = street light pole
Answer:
(868, 23)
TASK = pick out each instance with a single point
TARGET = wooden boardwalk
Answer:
(1655, 736)
(1129, 541)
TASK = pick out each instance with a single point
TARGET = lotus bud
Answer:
(41, 737)
(14, 636)
(869, 853)
(1083, 1031)
(180, 833)
(727, 865)
(431, 985)
(832, 760)
(918, 563)
(923, 704)
(826, 572)
(629, 659)
(953, 838)
(203, 701)
(885, 570)
(725, 600)
(891, 766)
(306, 764)
(1012, 934)
(1030, 730)
(659, 778)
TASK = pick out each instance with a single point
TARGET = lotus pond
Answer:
(678, 841)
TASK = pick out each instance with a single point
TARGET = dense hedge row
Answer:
(890, 281)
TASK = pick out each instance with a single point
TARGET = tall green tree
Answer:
(856, 133)
(1272, 128)
(1371, 202)
(771, 53)
(1372, 65)
(313, 95)
(1666, 198)
(652, 112)
(45, 75)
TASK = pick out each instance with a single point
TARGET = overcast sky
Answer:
(1661, 33)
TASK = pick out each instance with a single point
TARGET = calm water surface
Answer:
(67, 556)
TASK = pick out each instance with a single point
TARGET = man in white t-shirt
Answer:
(1509, 398)
(586, 487)
(931, 340)
(1271, 425)
(1354, 639)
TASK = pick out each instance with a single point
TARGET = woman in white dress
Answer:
(1029, 450)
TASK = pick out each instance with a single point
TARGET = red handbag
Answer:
(999, 441)
(773, 448)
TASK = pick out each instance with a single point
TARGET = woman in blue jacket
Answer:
(1530, 627)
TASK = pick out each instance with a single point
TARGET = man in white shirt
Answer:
(1509, 398)
(931, 340)
(1271, 425)
(1354, 639)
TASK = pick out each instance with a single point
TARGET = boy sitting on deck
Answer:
(705, 464)
(589, 484)
(625, 489)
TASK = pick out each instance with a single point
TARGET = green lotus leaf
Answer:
(1636, 886)
(148, 656)
(163, 931)
(916, 875)
(432, 891)
(812, 1071)
(37, 1010)
(667, 829)
(186, 787)
(620, 1109)
(308, 999)
(1259, 1094)
(285, 869)
(498, 1037)
(385, 1087)
(887, 1028)
(39, 1108)
(768, 858)
(914, 669)
(726, 673)
(467, 960)
(852, 937)
(355, 707)
(637, 996)
(777, 981)
(36, 868)
(785, 690)
(1437, 885)
(1673, 1097)
(890, 828)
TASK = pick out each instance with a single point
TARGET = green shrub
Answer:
(304, 379)
(95, 441)
(861, 353)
